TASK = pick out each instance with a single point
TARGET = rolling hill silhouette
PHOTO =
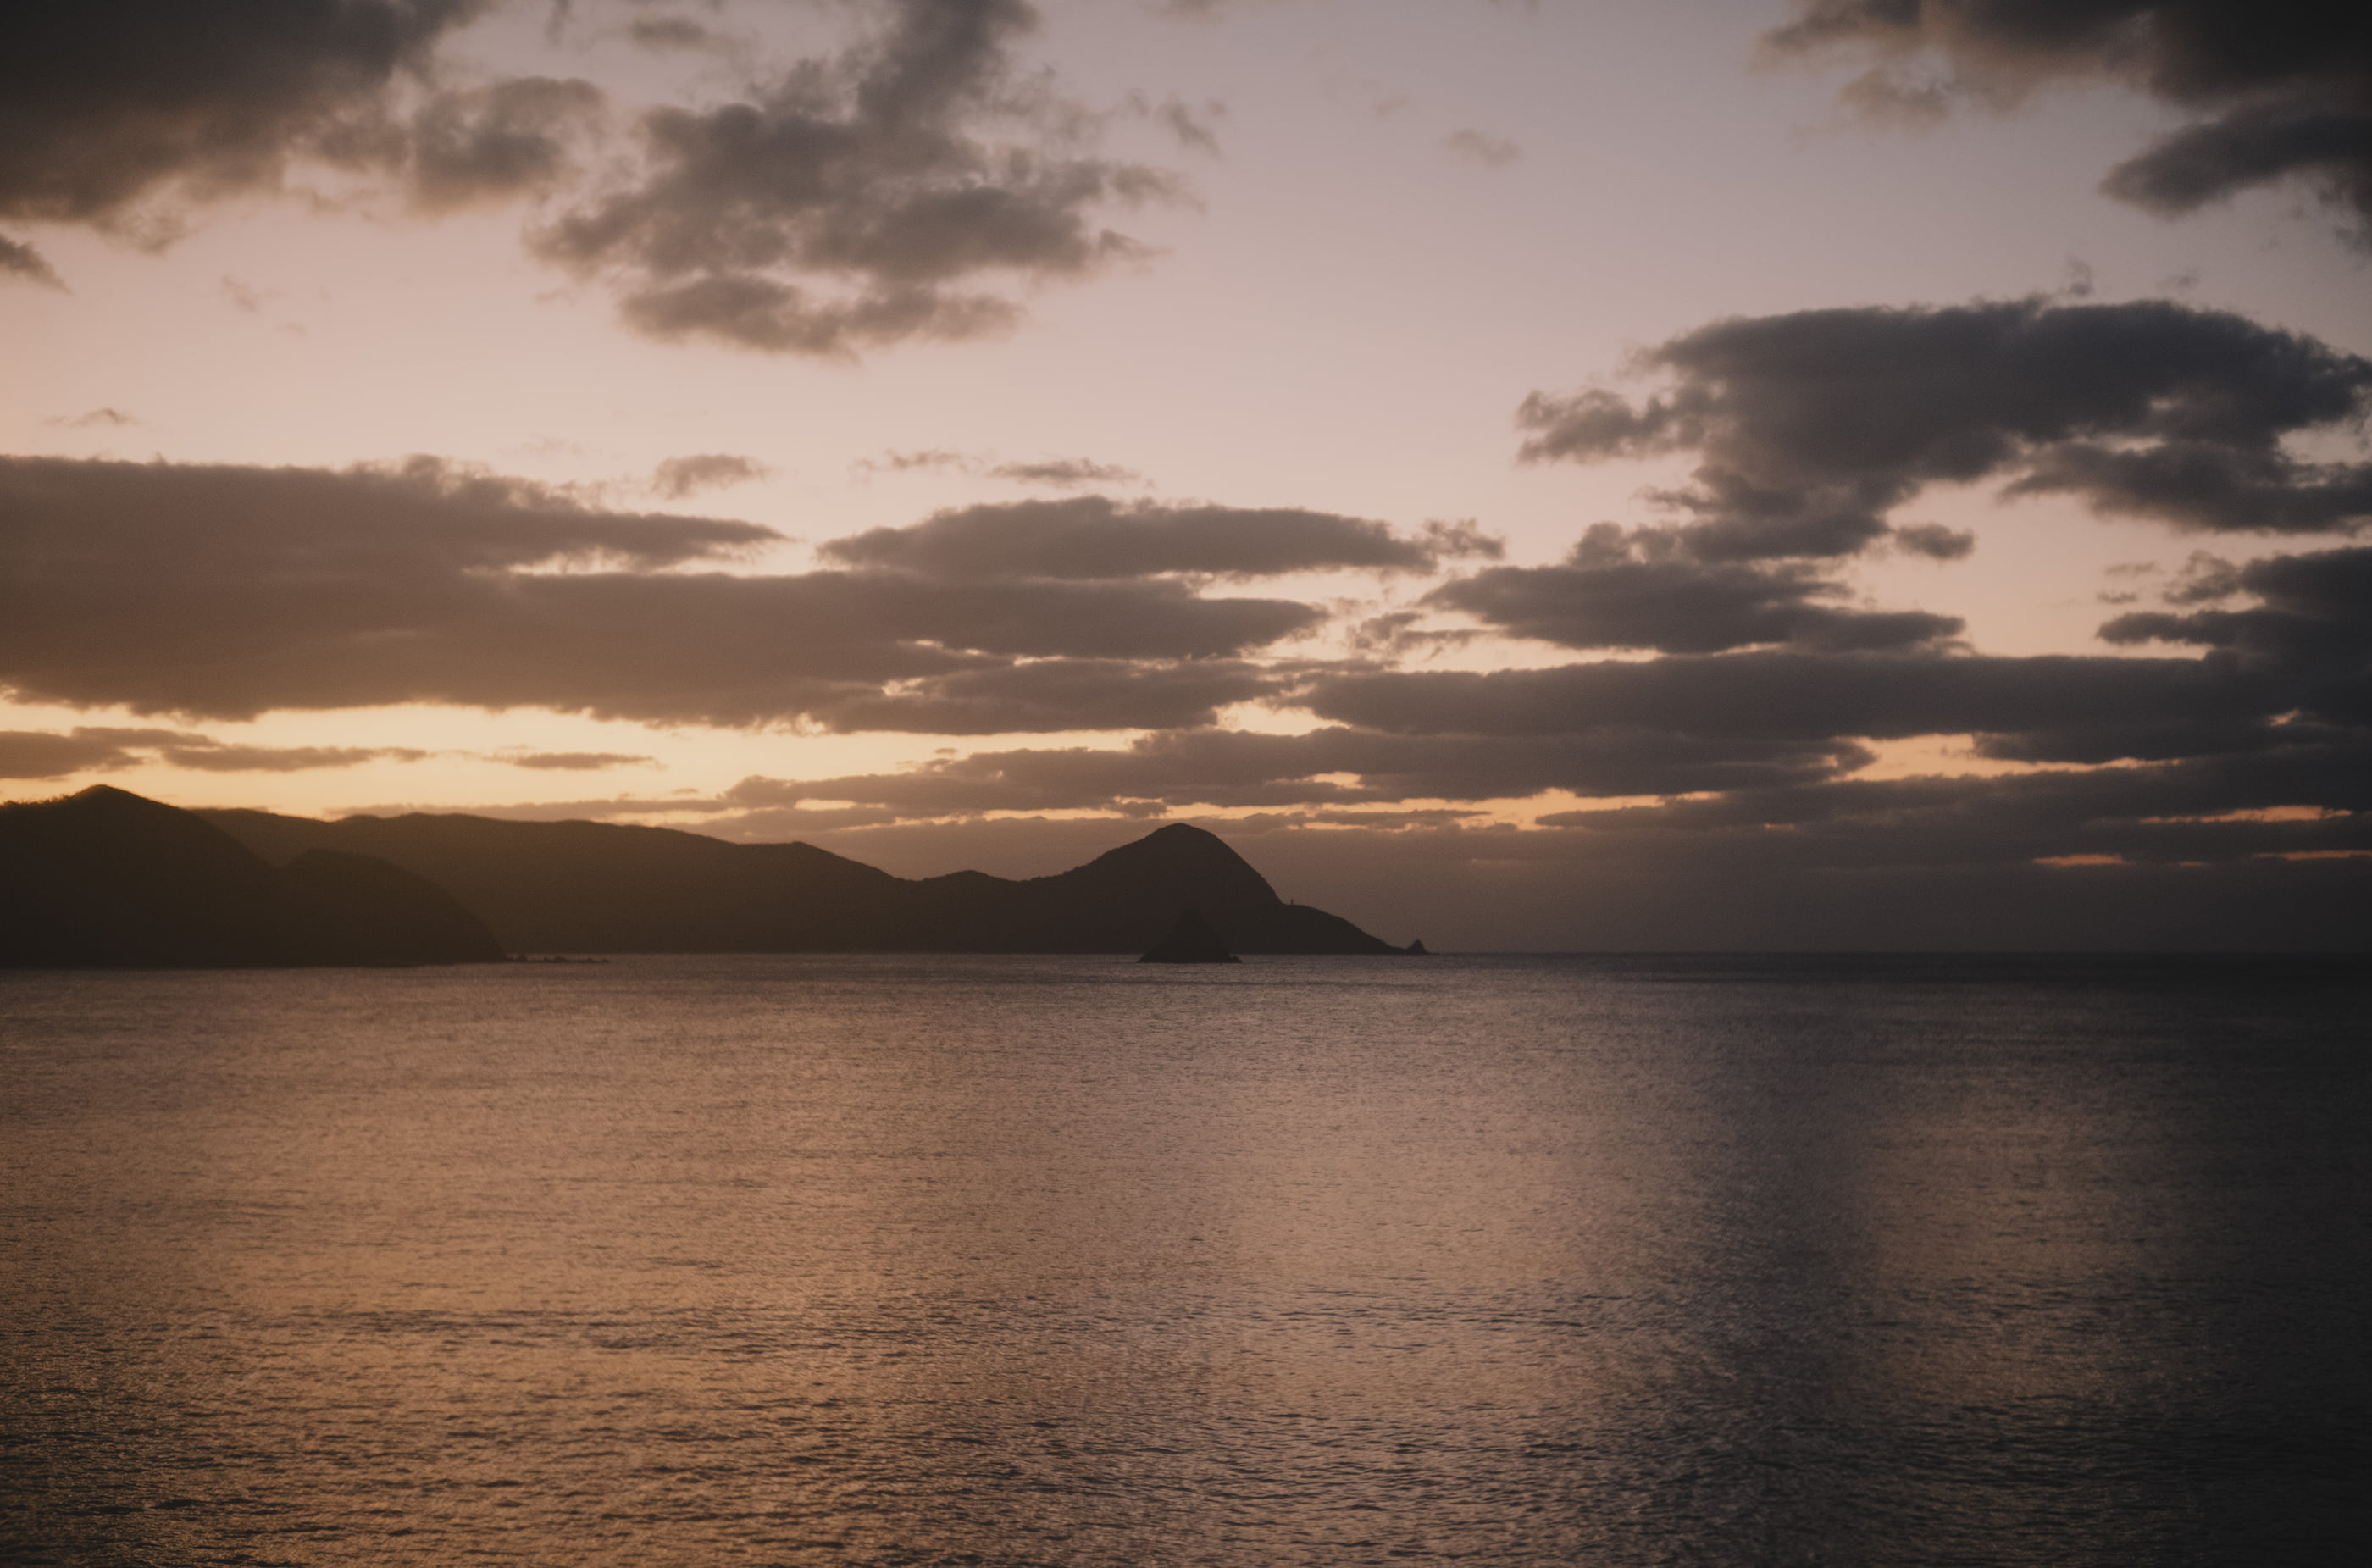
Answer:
(604, 887)
(109, 878)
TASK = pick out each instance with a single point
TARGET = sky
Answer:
(1751, 474)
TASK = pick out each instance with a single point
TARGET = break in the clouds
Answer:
(1811, 428)
(895, 190)
(2281, 88)
(1092, 536)
(227, 592)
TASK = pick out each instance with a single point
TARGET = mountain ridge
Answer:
(619, 888)
(106, 878)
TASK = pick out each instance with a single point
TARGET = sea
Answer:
(829, 1259)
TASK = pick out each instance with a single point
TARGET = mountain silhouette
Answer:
(1191, 941)
(608, 888)
(109, 878)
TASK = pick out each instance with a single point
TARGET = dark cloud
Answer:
(1810, 428)
(119, 114)
(29, 754)
(677, 478)
(910, 186)
(33, 754)
(105, 102)
(2289, 800)
(1933, 540)
(885, 194)
(1091, 537)
(229, 591)
(113, 417)
(2285, 86)
(2311, 628)
(1638, 590)
(503, 140)
(1807, 696)
(18, 260)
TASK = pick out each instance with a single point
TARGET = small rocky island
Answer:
(1191, 941)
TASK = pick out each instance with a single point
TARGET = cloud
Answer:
(1065, 473)
(922, 461)
(2072, 700)
(2194, 810)
(33, 754)
(1637, 589)
(1195, 126)
(677, 478)
(2311, 627)
(220, 758)
(495, 142)
(911, 186)
(1093, 537)
(890, 192)
(228, 591)
(119, 114)
(669, 32)
(18, 260)
(107, 102)
(1811, 428)
(574, 761)
(1483, 149)
(1052, 473)
(2285, 90)
(113, 417)
(30, 754)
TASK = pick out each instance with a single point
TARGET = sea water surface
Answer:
(1006, 1261)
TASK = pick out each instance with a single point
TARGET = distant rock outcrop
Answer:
(1417, 950)
(604, 888)
(109, 879)
(1191, 941)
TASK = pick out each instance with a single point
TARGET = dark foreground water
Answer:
(1314, 1262)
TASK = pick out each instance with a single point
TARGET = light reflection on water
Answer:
(1323, 1261)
